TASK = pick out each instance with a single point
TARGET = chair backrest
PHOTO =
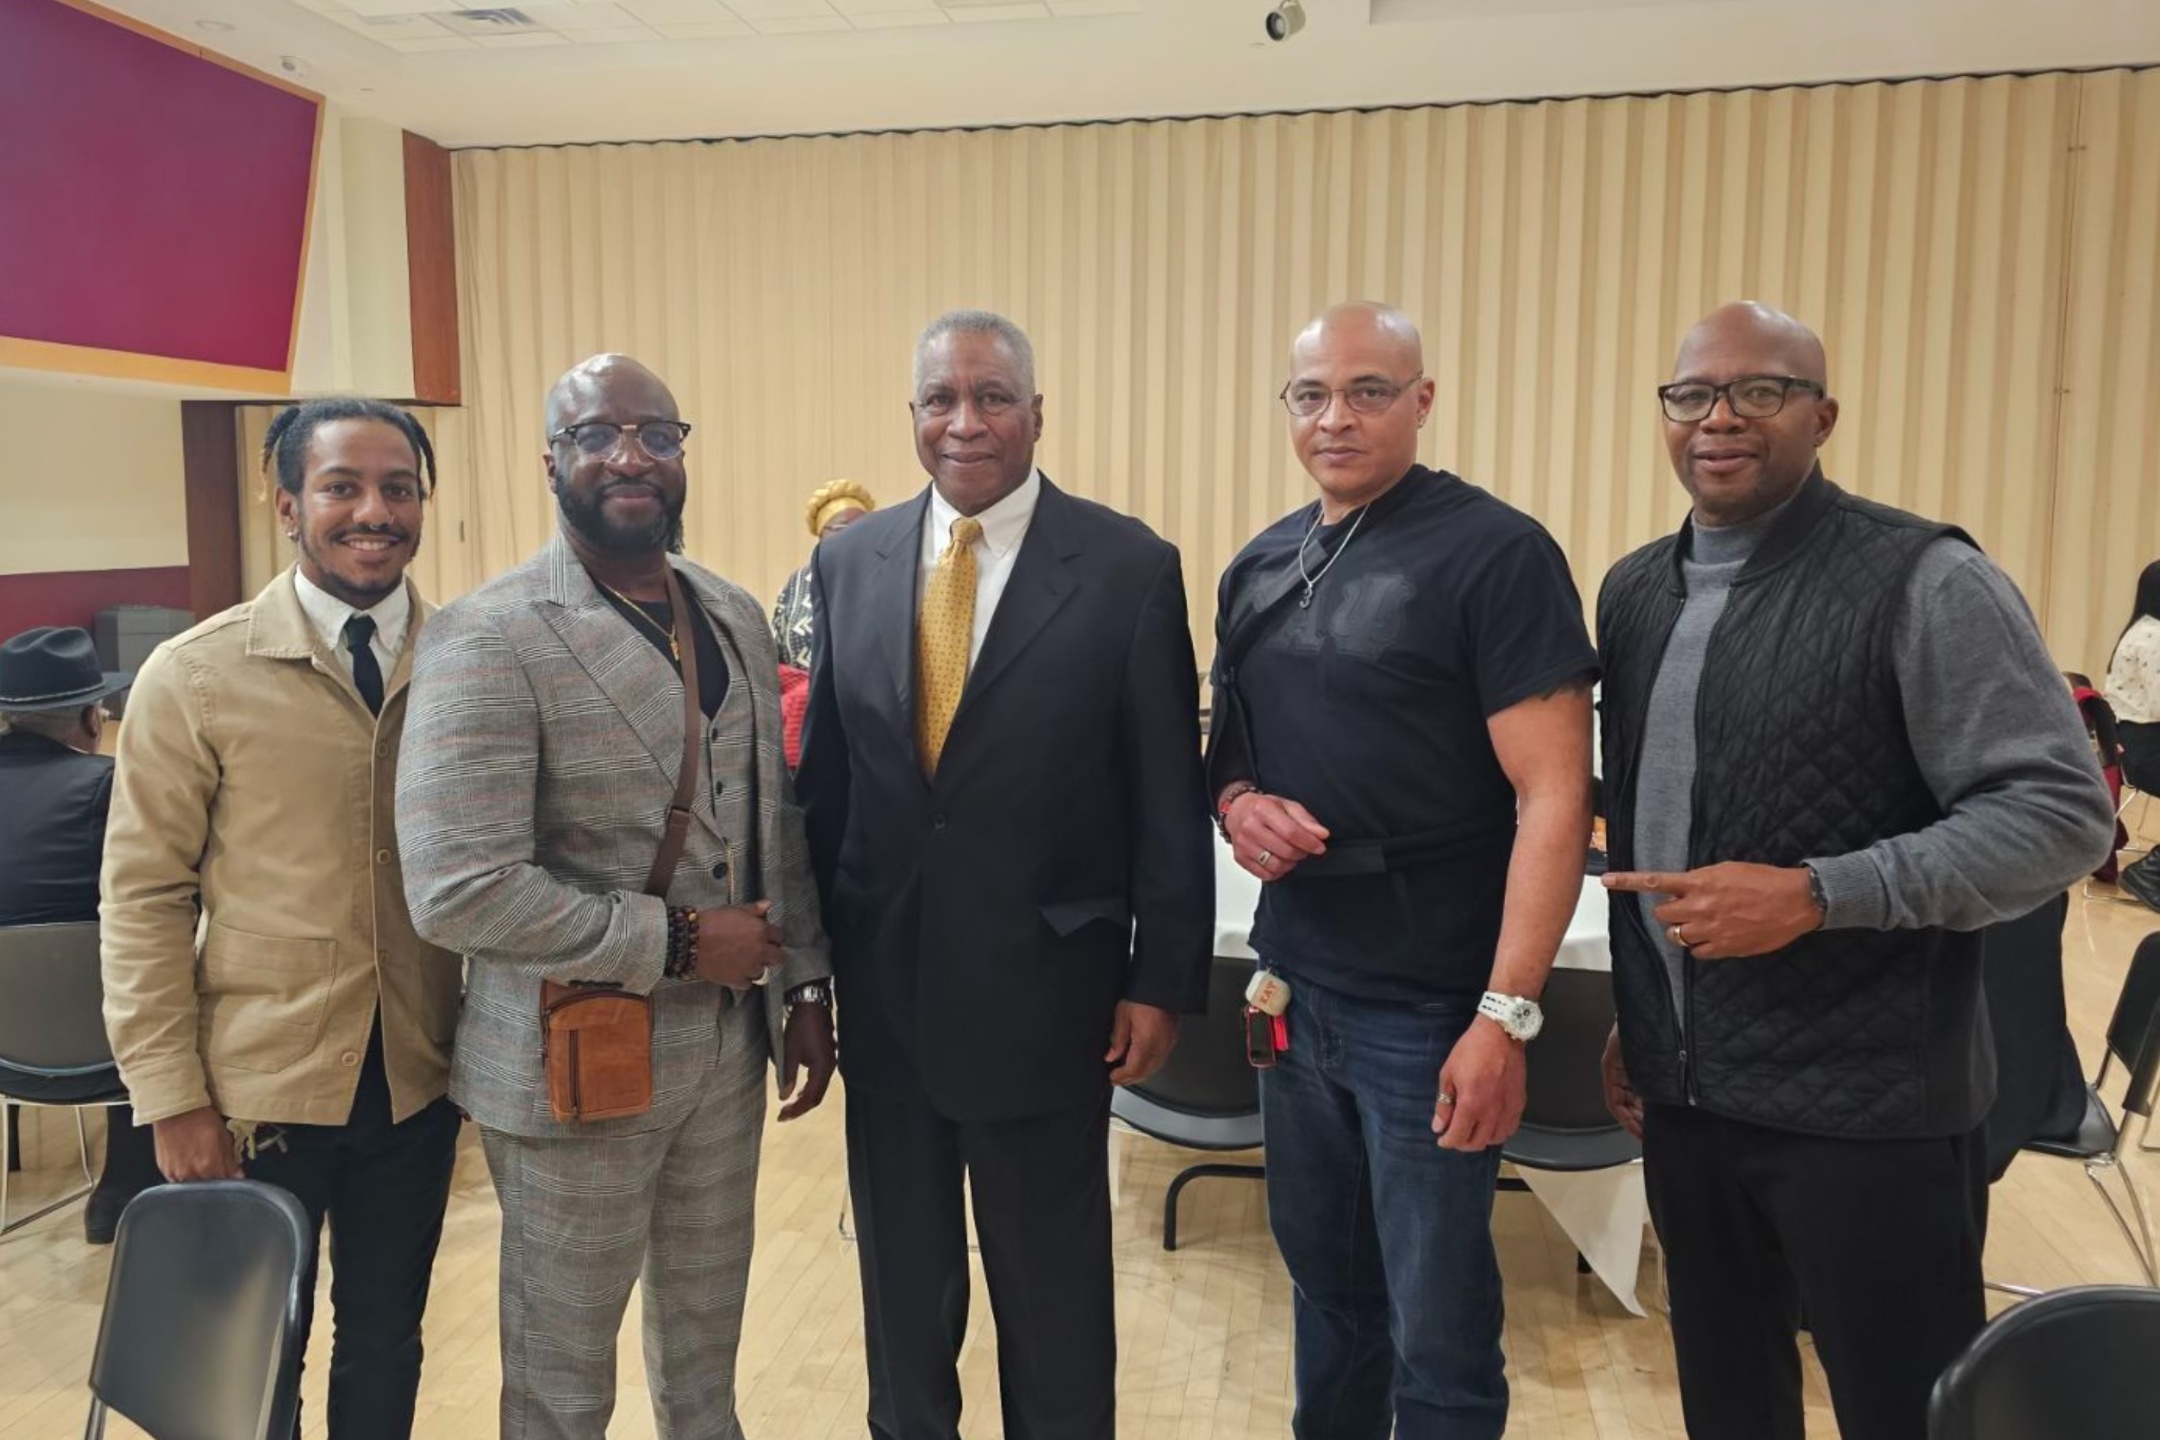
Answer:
(2073, 1363)
(1208, 1074)
(1566, 1089)
(201, 1335)
(52, 1004)
(2133, 1034)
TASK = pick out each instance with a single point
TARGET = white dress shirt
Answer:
(1004, 526)
(392, 616)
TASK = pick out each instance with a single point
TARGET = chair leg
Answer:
(94, 1429)
(82, 1147)
(1185, 1177)
(7, 1226)
(2139, 1240)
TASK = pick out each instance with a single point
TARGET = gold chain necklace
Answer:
(638, 612)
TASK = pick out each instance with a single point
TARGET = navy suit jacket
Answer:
(986, 923)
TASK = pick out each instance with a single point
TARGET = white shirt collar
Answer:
(328, 614)
(1005, 524)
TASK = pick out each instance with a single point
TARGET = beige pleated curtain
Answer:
(1980, 255)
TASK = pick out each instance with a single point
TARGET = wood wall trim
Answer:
(210, 449)
(431, 264)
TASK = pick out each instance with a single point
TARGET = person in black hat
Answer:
(52, 841)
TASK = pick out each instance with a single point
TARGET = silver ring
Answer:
(1672, 933)
(764, 977)
(1265, 859)
(1446, 1099)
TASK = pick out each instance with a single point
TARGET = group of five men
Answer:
(1834, 746)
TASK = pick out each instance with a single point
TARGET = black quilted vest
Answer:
(1802, 752)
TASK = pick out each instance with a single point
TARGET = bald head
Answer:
(1764, 381)
(624, 495)
(588, 385)
(1375, 328)
(1357, 398)
(1755, 328)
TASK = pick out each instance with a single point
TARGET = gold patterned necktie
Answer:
(943, 633)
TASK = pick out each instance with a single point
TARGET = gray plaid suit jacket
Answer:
(543, 736)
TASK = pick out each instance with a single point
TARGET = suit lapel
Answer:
(623, 663)
(893, 595)
(1042, 581)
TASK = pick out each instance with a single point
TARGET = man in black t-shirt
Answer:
(1401, 752)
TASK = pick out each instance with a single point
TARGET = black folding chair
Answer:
(2133, 1039)
(201, 1335)
(2073, 1365)
(1206, 1096)
(52, 1040)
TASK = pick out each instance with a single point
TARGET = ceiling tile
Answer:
(622, 35)
(520, 42)
(703, 29)
(679, 12)
(799, 24)
(977, 14)
(897, 19)
(853, 8)
(572, 18)
(1071, 9)
(756, 10)
(385, 28)
(439, 42)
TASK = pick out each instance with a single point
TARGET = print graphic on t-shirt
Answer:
(1366, 618)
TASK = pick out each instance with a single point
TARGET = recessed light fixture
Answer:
(215, 27)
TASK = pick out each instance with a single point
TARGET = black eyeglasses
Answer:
(1307, 398)
(661, 439)
(1752, 397)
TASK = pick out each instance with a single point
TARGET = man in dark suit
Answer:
(52, 843)
(1001, 775)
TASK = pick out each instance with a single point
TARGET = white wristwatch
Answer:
(1522, 1019)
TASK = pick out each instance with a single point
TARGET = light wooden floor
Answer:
(1204, 1333)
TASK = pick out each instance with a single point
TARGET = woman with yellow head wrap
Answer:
(833, 507)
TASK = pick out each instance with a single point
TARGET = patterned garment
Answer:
(2133, 681)
(794, 617)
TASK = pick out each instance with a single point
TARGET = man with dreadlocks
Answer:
(273, 1012)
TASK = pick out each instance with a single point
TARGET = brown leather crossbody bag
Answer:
(596, 1039)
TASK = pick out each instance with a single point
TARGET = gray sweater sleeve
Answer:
(2002, 748)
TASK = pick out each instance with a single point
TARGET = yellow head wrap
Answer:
(833, 497)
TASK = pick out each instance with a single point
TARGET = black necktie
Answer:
(366, 674)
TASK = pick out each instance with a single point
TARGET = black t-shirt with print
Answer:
(1442, 608)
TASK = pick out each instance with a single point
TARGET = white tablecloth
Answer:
(1602, 1211)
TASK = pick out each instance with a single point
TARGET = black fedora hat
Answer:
(54, 667)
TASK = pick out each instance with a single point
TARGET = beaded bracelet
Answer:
(682, 944)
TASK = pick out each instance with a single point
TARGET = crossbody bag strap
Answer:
(678, 816)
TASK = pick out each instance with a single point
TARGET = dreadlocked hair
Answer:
(285, 444)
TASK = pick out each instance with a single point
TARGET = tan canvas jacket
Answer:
(254, 905)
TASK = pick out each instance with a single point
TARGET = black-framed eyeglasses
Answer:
(1370, 396)
(661, 439)
(1752, 397)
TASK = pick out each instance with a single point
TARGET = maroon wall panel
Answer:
(73, 597)
(156, 201)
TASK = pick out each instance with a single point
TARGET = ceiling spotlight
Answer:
(1285, 20)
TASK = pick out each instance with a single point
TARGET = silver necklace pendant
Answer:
(1306, 602)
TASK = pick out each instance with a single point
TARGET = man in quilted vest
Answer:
(1835, 747)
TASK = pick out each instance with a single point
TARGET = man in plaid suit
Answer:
(543, 746)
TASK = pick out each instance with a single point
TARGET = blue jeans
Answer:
(1388, 1237)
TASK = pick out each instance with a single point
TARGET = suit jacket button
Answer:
(718, 788)
(719, 871)
(937, 822)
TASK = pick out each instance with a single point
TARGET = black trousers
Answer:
(1042, 1214)
(1877, 1240)
(384, 1188)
